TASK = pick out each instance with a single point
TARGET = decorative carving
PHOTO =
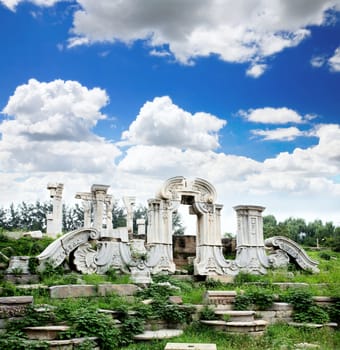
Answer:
(84, 259)
(278, 258)
(297, 253)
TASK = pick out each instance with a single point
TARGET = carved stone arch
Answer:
(201, 196)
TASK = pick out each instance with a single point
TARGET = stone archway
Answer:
(200, 195)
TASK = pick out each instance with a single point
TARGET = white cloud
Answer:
(12, 4)
(334, 61)
(280, 134)
(318, 61)
(235, 31)
(269, 115)
(162, 123)
(51, 129)
(256, 70)
(34, 150)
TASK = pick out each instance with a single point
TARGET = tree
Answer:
(177, 225)
(269, 226)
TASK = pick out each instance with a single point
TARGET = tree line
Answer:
(313, 234)
(32, 217)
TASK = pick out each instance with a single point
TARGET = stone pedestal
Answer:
(250, 252)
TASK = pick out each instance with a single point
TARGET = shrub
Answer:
(300, 299)
(242, 302)
(207, 313)
(313, 313)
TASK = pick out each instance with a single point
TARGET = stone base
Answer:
(160, 334)
(44, 332)
(21, 279)
(236, 316)
(189, 346)
(256, 327)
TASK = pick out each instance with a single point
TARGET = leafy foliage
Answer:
(207, 313)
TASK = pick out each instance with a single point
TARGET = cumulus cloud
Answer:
(279, 134)
(12, 4)
(49, 129)
(56, 110)
(235, 31)
(334, 61)
(256, 70)
(269, 115)
(162, 123)
(238, 32)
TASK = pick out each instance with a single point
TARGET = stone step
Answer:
(190, 346)
(44, 332)
(66, 344)
(220, 298)
(256, 327)
(313, 325)
(159, 334)
(234, 315)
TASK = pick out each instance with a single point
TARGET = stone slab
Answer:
(190, 346)
(120, 289)
(14, 306)
(16, 300)
(220, 298)
(313, 325)
(159, 334)
(73, 291)
(44, 332)
(276, 306)
(235, 315)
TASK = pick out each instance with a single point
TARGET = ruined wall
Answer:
(185, 246)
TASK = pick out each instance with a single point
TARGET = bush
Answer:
(300, 299)
(260, 298)
(242, 302)
(207, 313)
(313, 313)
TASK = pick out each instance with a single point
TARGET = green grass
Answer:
(277, 337)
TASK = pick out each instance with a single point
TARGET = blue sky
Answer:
(131, 93)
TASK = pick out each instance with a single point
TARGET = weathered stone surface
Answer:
(219, 298)
(44, 332)
(21, 279)
(286, 285)
(14, 306)
(120, 289)
(189, 346)
(250, 254)
(175, 299)
(306, 346)
(246, 327)
(323, 301)
(160, 334)
(234, 315)
(223, 278)
(281, 307)
(269, 316)
(313, 325)
(72, 291)
(295, 252)
(17, 300)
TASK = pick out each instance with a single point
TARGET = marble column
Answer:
(55, 219)
(99, 195)
(129, 202)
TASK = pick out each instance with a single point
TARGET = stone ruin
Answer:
(97, 246)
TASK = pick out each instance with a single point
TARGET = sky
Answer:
(244, 94)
